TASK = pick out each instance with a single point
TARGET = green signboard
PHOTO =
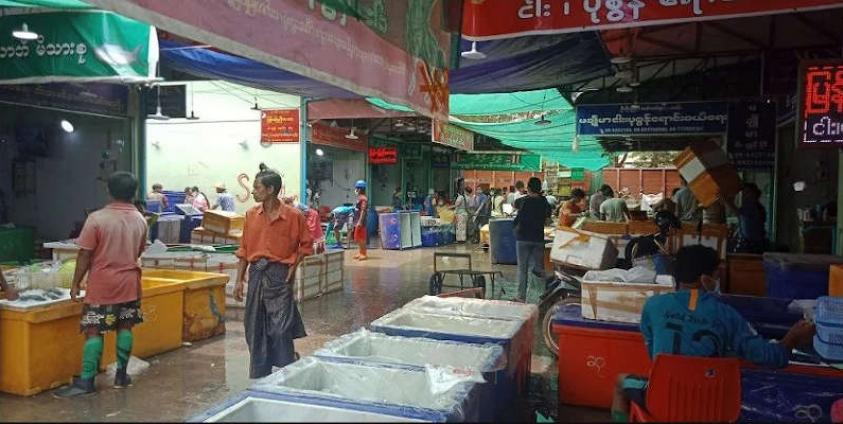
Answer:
(498, 162)
(77, 47)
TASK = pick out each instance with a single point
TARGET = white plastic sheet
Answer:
(414, 321)
(473, 308)
(367, 385)
(260, 408)
(637, 274)
(421, 352)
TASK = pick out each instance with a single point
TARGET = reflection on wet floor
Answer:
(187, 381)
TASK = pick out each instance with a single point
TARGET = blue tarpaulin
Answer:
(530, 63)
(207, 63)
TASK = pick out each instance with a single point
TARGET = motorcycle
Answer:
(564, 290)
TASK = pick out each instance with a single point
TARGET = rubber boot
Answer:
(79, 387)
(122, 379)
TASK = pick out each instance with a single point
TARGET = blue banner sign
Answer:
(653, 119)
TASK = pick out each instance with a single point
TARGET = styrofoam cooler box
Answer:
(63, 250)
(259, 407)
(169, 228)
(334, 272)
(376, 348)
(584, 250)
(620, 302)
(309, 276)
(526, 314)
(466, 329)
(435, 393)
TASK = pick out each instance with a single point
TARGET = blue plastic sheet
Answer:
(212, 64)
(776, 396)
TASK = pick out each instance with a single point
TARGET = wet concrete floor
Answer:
(187, 381)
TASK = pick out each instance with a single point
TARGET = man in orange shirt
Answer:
(572, 209)
(110, 243)
(275, 239)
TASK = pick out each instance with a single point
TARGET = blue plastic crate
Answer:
(173, 198)
(828, 350)
(429, 238)
(830, 311)
(832, 334)
(189, 224)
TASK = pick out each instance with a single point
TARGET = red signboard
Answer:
(383, 155)
(492, 19)
(821, 104)
(327, 135)
(280, 126)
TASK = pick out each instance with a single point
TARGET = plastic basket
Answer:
(830, 334)
(830, 311)
(827, 350)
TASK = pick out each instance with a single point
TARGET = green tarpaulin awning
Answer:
(553, 141)
(51, 4)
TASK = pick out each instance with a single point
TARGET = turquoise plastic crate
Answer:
(17, 244)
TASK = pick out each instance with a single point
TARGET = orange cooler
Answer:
(592, 354)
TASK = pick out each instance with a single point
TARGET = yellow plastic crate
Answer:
(40, 349)
(162, 306)
(204, 300)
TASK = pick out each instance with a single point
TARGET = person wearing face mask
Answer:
(694, 322)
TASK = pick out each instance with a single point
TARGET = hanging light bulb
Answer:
(351, 135)
(24, 33)
(624, 89)
(473, 54)
(192, 116)
(66, 126)
(320, 152)
(544, 121)
(158, 116)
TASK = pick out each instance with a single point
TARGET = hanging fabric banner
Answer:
(488, 19)
(319, 43)
(452, 135)
(327, 135)
(498, 162)
(91, 46)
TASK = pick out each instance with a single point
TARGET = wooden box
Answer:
(221, 222)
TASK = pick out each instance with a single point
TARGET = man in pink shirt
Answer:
(111, 242)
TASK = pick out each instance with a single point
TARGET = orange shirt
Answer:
(116, 236)
(283, 239)
(566, 216)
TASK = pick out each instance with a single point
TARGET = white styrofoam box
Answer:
(620, 302)
(429, 221)
(309, 276)
(415, 229)
(63, 250)
(584, 250)
(334, 272)
(169, 228)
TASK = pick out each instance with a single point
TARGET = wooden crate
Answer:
(604, 227)
(746, 275)
(221, 222)
(309, 276)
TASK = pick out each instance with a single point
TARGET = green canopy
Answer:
(52, 4)
(553, 141)
(494, 103)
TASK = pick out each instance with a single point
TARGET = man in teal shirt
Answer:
(694, 322)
